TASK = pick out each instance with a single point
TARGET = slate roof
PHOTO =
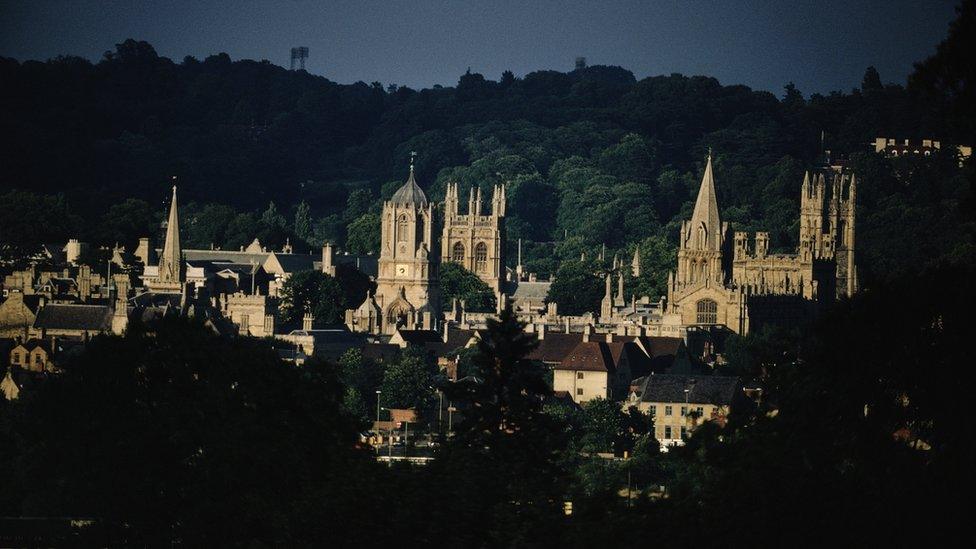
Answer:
(92, 318)
(367, 264)
(528, 291)
(229, 256)
(293, 263)
(554, 346)
(685, 364)
(717, 390)
(380, 352)
(420, 337)
(410, 193)
(591, 356)
(637, 360)
(456, 338)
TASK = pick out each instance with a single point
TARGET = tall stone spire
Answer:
(635, 267)
(606, 305)
(170, 262)
(705, 224)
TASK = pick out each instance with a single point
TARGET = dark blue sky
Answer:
(820, 45)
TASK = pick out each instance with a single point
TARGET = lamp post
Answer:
(687, 390)
(378, 393)
(390, 432)
(450, 418)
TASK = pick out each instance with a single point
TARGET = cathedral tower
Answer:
(170, 273)
(702, 240)
(475, 241)
(407, 288)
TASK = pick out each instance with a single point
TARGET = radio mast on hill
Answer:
(299, 54)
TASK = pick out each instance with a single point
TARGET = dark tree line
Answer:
(590, 157)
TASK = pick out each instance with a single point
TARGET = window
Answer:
(684, 411)
(457, 253)
(579, 391)
(481, 257)
(579, 375)
(707, 311)
(667, 431)
(15, 358)
(401, 229)
(702, 236)
(684, 432)
(652, 411)
(700, 411)
(667, 410)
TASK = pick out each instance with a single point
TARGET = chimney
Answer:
(307, 321)
(327, 255)
(542, 331)
(587, 331)
(609, 337)
(567, 324)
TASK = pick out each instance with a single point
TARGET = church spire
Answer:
(705, 224)
(170, 262)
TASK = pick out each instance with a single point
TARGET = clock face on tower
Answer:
(402, 270)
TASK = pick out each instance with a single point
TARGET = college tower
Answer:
(407, 292)
(476, 241)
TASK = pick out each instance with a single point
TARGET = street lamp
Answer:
(378, 392)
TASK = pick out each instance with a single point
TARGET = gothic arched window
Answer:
(401, 229)
(457, 253)
(481, 257)
(707, 311)
(702, 236)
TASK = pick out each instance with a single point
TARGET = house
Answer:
(589, 371)
(679, 403)
(34, 355)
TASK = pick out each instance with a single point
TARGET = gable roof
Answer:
(456, 339)
(420, 337)
(554, 346)
(92, 318)
(592, 356)
(718, 390)
(685, 364)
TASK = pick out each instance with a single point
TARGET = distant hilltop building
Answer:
(892, 147)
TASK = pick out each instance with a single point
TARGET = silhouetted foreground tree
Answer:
(179, 436)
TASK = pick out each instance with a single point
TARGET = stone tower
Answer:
(473, 240)
(170, 273)
(703, 239)
(407, 290)
(827, 222)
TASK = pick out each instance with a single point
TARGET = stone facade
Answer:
(169, 275)
(473, 240)
(407, 291)
(733, 282)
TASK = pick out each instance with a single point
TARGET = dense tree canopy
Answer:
(593, 157)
